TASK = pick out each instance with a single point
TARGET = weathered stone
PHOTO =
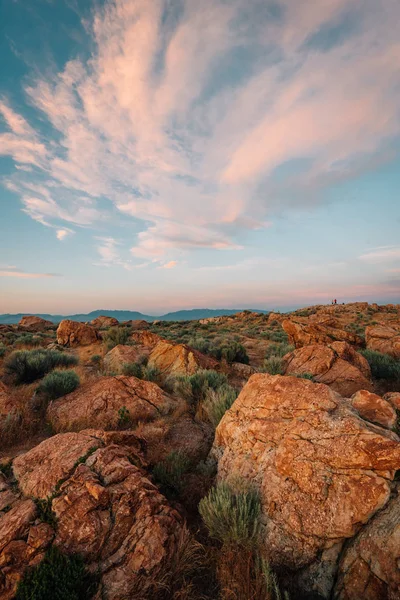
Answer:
(323, 332)
(120, 355)
(374, 408)
(72, 333)
(179, 359)
(31, 323)
(385, 339)
(103, 322)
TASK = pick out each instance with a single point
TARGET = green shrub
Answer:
(28, 365)
(132, 369)
(45, 511)
(382, 366)
(278, 349)
(308, 376)
(217, 402)
(59, 383)
(57, 577)
(124, 417)
(142, 371)
(115, 336)
(3, 350)
(273, 366)
(194, 387)
(95, 359)
(169, 472)
(234, 352)
(231, 517)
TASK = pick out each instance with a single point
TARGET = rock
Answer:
(106, 509)
(6, 401)
(337, 365)
(394, 399)
(374, 408)
(385, 339)
(323, 332)
(276, 318)
(115, 359)
(321, 470)
(98, 404)
(145, 339)
(104, 322)
(72, 333)
(369, 568)
(32, 323)
(179, 359)
(138, 324)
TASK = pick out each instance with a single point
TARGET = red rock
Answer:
(116, 358)
(179, 359)
(385, 339)
(322, 332)
(72, 333)
(32, 323)
(394, 399)
(374, 408)
(104, 322)
(138, 324)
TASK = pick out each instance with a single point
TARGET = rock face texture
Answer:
(106, 510)
(138, 324)
(72, 333)
(321, 470)
(369, 568)
(35, 323)
(374, 408)
(103, 322)
(385, 339)
(120, 355)
(322, 332)
(145, 339)
(99, 404)
(179, 359)
(6, 403)
(337, 365)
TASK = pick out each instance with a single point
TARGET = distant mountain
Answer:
(127, 315)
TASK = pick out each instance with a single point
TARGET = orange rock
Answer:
(146, 339)
(32, 323)
(322, 471)
(369, 568)
(304, 333)
(337, 365)
(385, 339)
(120, 355)
(394, 399)
(97, 404)
(179, 359)
(103, 322)
(72, 333)
(374, 408)
(138, 324)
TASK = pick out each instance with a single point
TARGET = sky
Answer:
(157, 155)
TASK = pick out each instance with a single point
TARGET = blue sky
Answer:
(178, 154)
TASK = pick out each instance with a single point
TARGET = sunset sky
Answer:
(166, 154)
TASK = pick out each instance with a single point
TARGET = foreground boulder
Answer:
(337, 365)
(326, 331)
(107, 403)
(72, 333)
(31, 323)
(385, 339)
(106, 509)
(374, 408)
(369, 568)
(179, 359)
(104, 322)
(321, 470)
(120, 355)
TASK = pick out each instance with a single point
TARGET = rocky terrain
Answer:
(240, 457)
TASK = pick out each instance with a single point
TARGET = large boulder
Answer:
(179, 359)
(72, 333)
(116, 358)
(138, 324)
(103, 322)
(321, 470)
(107, 403)
(326, 331)
(384, 338)
(337, 365)
(32, 323)
(369, 568)
(374, 408)
(106, 509)
(147, 340)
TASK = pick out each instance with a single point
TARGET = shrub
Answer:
(382, 366)
(59, 577)
(115, 336)
(273, 366)
(278, 349)
(234, 352)
(231, 517)
(194, 387)
(124, 417)
(95, 359)
(132, 369)
(217, 402)
(308, 376)
(141, 371)
(168, 473)
(59, 383)
(28, 365)
(3, 350)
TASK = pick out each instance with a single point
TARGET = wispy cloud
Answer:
(382, 254)
(23, 275)
(169, 265)
(61, 234)
(162, 122)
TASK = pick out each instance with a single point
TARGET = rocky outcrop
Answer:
(104, 322)
(101, 403)
(369, 568)
(304, 333)
(394, 399)
(179, 359)
(145, 339)
(106, 510)
(385, 339)
(374, 408)
(72, 333)
(138, 324)
(321, 470)
(337, 365)
(31, 323)
(116, 358)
